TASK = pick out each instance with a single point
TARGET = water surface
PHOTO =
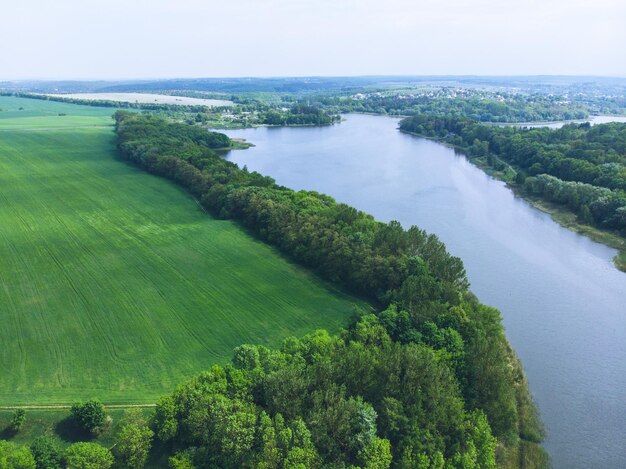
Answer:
(563, 302)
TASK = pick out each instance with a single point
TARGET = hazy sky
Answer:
(204, 38)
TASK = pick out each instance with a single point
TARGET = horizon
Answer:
(285, 38)
(269, 77)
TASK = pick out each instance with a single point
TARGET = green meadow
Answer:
(116, 284)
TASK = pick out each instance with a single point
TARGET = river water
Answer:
(563, 302)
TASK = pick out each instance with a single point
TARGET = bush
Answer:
(19, 417)
(90, 415)
(133, 445)
(88, 456)
(46, 452)
(15, 457)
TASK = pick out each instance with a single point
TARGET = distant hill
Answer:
(545, 83)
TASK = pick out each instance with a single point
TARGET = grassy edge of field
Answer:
(560, 214)
(57, 422)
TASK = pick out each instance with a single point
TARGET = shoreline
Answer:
(562, 216)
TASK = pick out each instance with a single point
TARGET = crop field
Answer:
(34, 114)
(114, 283)
(150, 98)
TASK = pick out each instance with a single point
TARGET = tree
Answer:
(90, 415)
(15, 457)
(46, 452)
(165, 422)
(484, 442)
(132, 445)
(88, 456)
(19, 417)
(377, 455)
(182, 460)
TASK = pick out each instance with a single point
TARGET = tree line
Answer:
(478, 105)
(429, 329)
(298, 114)
(580, 166)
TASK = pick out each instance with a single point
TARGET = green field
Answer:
(114, 283)
(20, 113)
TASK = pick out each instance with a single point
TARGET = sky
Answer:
(136, 39)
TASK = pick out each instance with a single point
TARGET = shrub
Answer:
(90, 415)
(46, 452)
(88, 456)
(19, 417)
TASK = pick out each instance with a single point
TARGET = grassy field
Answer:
(114, 283)
(20, 113)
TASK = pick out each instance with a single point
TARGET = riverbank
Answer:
(239, 144)
(559, 213)
(569, 220)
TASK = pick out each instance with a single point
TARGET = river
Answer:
(562, 300)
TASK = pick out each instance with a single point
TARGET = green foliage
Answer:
(165, 418)
(182, 460)
(15, 457)
(90, 415)
(480, 105)
(377, 455)
(298, 114)
(352, 402)
(132, 445)
(19, 417)
(88, 456)
(47, 453)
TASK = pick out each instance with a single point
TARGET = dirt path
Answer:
(47, 129)
(67, 406)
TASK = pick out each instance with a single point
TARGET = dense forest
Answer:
(580, 166)
(427, 381)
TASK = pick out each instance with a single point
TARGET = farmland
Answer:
(115, 283)
(147, 98)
